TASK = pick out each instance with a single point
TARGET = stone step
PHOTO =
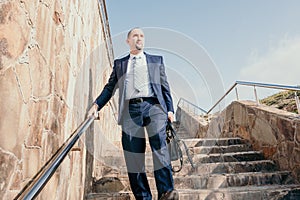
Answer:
(273, 192)
(220, 149)
(220, 142)
(117, 160)
(198, 142)
(229, 167)
(199, 145)
(113, 152)
(269, 192)
(198, 159)
(215, 181)
(228, 157)
(110, 196)
(215, 168)
(194, 150)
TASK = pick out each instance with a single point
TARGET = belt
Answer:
(140, 99)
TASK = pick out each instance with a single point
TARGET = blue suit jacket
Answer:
(158, 81)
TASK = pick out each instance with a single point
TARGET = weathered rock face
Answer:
(54, 60)
(274, 132)
(270, 130)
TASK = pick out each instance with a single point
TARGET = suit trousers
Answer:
(138, 117)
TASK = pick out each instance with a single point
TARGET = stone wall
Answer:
(196, 125)
(55, 57)
(274, 132)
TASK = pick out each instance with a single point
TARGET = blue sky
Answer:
(254, 40)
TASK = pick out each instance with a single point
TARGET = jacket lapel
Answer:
(150, 67)
(124, 64)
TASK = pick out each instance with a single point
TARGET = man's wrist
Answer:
(96, 106)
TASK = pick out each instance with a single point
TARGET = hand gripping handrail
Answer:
(41, 179)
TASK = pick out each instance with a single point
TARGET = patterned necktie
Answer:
(140, 74)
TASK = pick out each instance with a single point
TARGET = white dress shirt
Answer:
(130, 91)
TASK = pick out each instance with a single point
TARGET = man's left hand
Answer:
(171, 116)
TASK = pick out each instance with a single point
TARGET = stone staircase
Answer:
(226, 168)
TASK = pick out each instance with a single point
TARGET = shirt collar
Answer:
(141, 54)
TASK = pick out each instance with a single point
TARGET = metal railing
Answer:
(41, 179)
(190, 106)
(245, 83)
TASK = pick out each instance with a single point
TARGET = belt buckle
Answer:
(137, 100)
(140, 99)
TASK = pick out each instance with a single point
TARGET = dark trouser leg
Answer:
(134, 144)
(134, 149)
(161, 160)
(162, 169)
(151, 116)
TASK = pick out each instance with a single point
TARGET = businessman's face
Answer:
(136, 41)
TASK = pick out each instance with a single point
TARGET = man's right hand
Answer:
(94, 111)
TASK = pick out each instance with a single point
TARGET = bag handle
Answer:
(172, 135)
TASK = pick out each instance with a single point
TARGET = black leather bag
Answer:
(174, 147)
(174, 150)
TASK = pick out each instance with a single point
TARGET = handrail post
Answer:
(236, 93)
(297, 102)
(255, 93)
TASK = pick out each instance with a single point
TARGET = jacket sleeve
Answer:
(108, 89)
(165, 88)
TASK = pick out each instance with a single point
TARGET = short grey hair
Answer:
(129, 32)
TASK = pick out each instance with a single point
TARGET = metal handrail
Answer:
(254, 84)
(190, 103)
(268, 85)
(34, 188)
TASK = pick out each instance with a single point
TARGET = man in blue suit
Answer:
(145, 102)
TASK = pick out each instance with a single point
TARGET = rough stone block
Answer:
(262, 131)
(107, 184)
(14, 33)
(7, 168)
(31, 162)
